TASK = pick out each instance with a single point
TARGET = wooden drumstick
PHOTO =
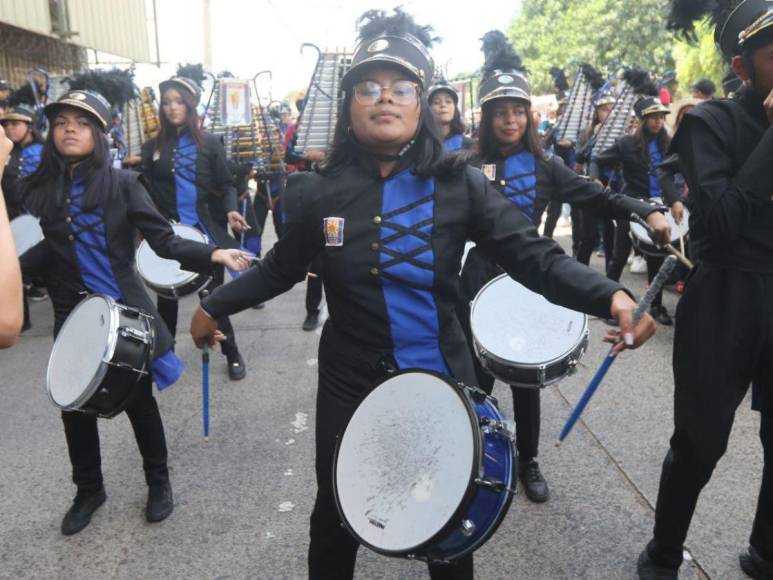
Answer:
(669, 248)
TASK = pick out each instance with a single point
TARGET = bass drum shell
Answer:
(166, 277)
(99, 356)
(522, 339)
(409, 465)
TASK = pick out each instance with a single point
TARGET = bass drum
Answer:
(424, 468)
(101, 352)
(521, 338)
(166, 277)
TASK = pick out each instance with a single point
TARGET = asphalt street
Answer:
(243, 498)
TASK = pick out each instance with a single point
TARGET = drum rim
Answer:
(460, 389)
(107, 355)
(26, 217)
(584, 335)
(172, 287)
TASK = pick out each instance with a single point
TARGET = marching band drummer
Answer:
(444, 104)
(189, 176)
(89, 213)
(389, 214)
(527, 178)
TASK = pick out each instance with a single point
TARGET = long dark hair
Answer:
(457, 126)
(642, 138)
(43, 189)
(488, 148)
(427, 149)
(168, 132)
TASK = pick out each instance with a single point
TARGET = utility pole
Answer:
(207, 36)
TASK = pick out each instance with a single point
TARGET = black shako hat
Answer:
(395, 40)
(91, 102)
(183, 83)
(504, 76)
(747, 23)
(20, 112)
(649, 105)
(443, 85)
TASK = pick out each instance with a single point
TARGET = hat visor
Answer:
(453, 93)
(53, 108)
(177, 84)
(655, 110)
(506, 93)
(15, 117)
(358, 70)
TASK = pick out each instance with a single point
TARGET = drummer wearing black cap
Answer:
(191, 183)
(444, 103)
(389, 214)
(723, 339)
(90, 214)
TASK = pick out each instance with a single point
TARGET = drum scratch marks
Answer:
(301, 422)
(286, 506)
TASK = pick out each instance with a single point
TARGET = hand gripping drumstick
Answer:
(641, 308)
(205, 381)
(671, 249)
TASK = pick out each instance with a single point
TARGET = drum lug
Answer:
(572, 366)
(505, 428)
(468, 528)
(542, 375)
(134, 334)
(493, 484)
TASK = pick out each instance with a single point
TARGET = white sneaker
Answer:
(631, 256)
(639, 265)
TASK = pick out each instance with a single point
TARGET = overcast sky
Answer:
(253, 35)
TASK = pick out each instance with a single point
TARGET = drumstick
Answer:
(205, 381)
(671, 249)
(641, 308)
(244, 214)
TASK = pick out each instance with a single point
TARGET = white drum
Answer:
(26, 232)
(166, 277)
(642, 241)
(521, 338)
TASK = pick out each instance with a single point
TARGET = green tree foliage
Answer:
(700, 59)
(602, 32)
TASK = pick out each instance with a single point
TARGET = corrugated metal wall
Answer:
(115, 26)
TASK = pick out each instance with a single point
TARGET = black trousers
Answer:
(590, 235)
(82, 437)
(620, 255)
(723, 342)
(168, 310)
(314, 286)
(345, 376)
(554, 212)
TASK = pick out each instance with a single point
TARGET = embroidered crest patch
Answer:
(490, 171)
(334, 231)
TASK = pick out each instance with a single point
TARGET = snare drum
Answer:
(642, 241)
(26, 232)
(166, 277)
(101, 352)
(424, 468)
(521, 338)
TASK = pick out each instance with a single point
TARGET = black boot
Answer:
(237, 370)
(755, 566)
(79, 514)
(312, 320)
(647, 569)
(534, 484)
(661, 316)
(160, 502)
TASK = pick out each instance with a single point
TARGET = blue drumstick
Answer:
(641, 308)
(205, 381)
(244, 214)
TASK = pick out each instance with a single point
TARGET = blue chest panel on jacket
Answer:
(30, 159)
(184, 163)
(656, 158)
(454, 143)
(521, 181)
(91, 248)
(408, 271)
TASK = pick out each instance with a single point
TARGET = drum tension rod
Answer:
(505, 428)
(134, 334)
(494, 484)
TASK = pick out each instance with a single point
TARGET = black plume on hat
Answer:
(641, 82)
(24, 95)
(116, 85)
(499, 54)
(376, 22)
(683, 14)
(593, 76)
(195, 72)
(559, 79)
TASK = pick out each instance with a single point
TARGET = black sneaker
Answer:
(237, 370)
(647, 569)
(534, 484)
(312, 321)
(79, 514)
(660, 314)
(160, 502)
(755, 566)
(35, 294)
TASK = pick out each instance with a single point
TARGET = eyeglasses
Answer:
(370, 92)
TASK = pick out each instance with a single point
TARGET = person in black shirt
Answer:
(389, 214)
(724, 321)
(90, 214)
(444, 103)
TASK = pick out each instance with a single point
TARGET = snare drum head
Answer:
(515, 325)
(75, 365)
(26, 232)
(404, 462)
(676, 230)
(164, 273)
